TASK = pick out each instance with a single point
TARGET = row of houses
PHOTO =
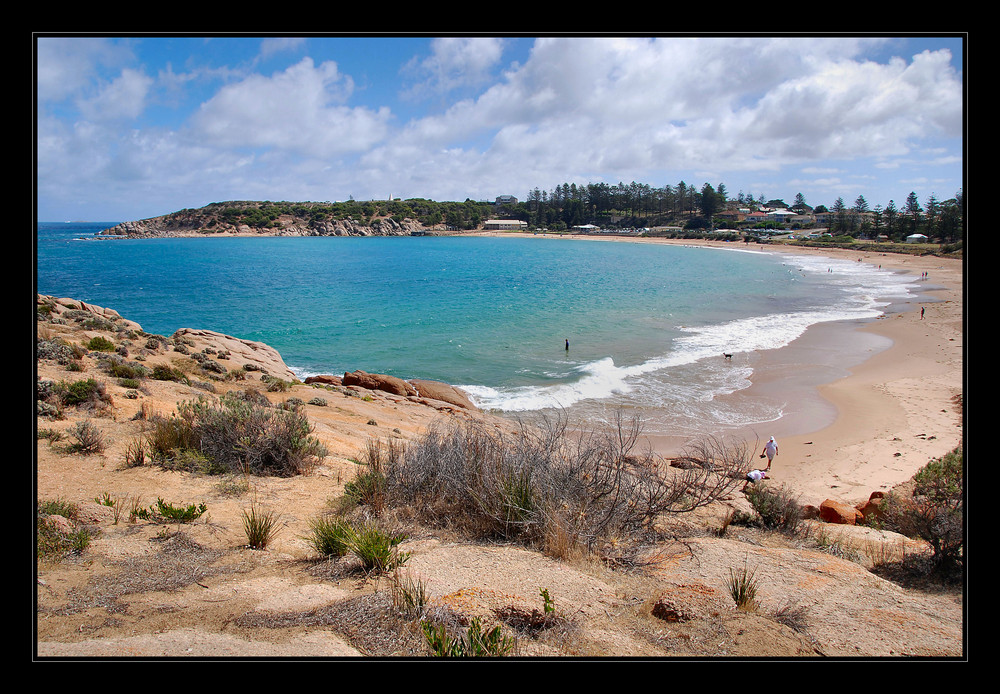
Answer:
(786, 216)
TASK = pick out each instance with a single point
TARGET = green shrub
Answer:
(87, 392)
(369, 488)
(162, 372)
(169, 435)
(935, 511)
(51, 539)
(244, 435)
(58, 507)
(240, 433)
(777, 507)
(178, 514)
(100, 344)
(126, 370)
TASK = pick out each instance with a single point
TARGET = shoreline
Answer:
(873, 401)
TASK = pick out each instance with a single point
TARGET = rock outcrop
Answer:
(833, 511)
(65, 309)
(383, 382)
(250, 355)
(444, 392)
(247, 218)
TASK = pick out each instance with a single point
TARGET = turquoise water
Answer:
(646, 324)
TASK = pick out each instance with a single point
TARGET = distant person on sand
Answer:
(753, 477)
(921, 313)
(770, 450)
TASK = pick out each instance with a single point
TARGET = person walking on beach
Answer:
(753, 477)
(770, 450)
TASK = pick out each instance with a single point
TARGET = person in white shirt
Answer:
(753, 477)
(770, 450)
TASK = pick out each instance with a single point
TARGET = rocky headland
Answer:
(147, 589)
(252, 218)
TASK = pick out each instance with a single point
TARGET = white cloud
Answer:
(123, 98)
(300, 109)
(575, 110)
(454, 63)
(67, 67)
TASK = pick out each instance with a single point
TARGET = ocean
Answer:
(646, 324)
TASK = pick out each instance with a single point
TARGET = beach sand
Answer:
(868, 402)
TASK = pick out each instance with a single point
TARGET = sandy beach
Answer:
(871, 402)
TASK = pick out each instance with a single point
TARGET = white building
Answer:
(504, 224)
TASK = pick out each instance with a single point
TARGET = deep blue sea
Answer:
(646, 324)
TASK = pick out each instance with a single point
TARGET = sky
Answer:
(134, 126)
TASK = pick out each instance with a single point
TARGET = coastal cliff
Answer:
(250, 218)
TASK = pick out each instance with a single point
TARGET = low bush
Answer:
(162, 372)
(777, 507)
(377, 548)
(934, 512)
(368, 488)
(239, 433)
(88, 439)
(100, 344)
(85, 393)
(126, 370)
(587, 489)
(53, 538)
(170, 513)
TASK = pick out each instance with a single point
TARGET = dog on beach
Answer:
(729, 357)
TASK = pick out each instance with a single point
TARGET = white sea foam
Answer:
(857, 291)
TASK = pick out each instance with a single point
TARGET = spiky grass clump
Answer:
(374, 546)
(742, 586)
(330, 536)
(260, 526)
(476, 643)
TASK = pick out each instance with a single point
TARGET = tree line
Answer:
(640, 204)
(622, 205)
(943, 220)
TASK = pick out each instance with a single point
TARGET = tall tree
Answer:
(891, 217)
(858, 214)
(681, 197)
(839, 216)
(723, 195)
(932, 210)
(912, 211)
(709, 201)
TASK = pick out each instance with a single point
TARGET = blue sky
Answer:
(130, 127)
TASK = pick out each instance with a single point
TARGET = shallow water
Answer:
(646, 324)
